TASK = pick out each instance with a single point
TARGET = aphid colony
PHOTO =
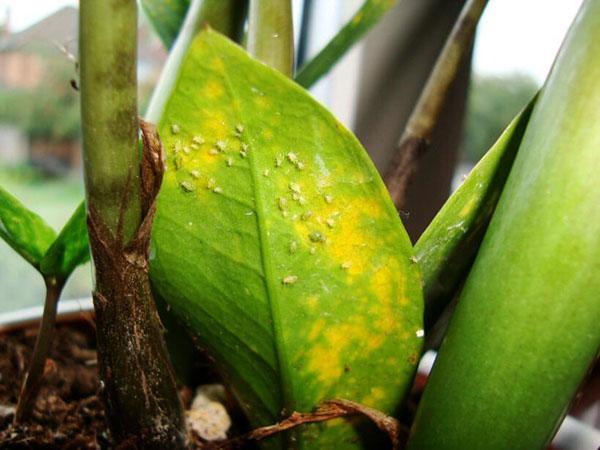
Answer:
(221, 147)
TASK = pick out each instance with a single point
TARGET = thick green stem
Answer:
(417, 134)
(142, 403)
(225, 16)
(35, 374)
(109, 110)
(271, 34)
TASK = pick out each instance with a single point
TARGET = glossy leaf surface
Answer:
(446, 249)
(70, 248)
(26, 232)
(166, 17)
(276, 242)
(365, 18)
(525, 330)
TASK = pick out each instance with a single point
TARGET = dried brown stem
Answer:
(331, 409)
(139, 385)
(35, 374)
(416, 137)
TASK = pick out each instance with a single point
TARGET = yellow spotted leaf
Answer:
(277, 244)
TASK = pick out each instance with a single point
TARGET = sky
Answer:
(513, 36)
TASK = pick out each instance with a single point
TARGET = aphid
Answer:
(239, 128)
(187, 186)
(217, 190)
(282, 203)
(211, 183)
(245, 147)
(175, 128)
(194, 146)
(186, 150)
(295, 187)
(306, 215)
(266, 173)
(289, 279)
(195, 173)
(293, 247)
(177, 147)
(199, 140)
(178, 162)
(330, 222)
(346, 265)
(414, 259)
(292, 157)
(420, 333)
(243, 153)
(300, 165)
(313, 250)
(221, 146)
(213, 151)
(328, 198)
(317, 236)
(278, 160)
(229, 162)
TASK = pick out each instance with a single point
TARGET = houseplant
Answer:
(277, 245)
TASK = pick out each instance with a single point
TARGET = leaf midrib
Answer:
(285, 388)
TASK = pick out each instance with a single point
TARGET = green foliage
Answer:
(448, 246)
(365, 18)
(70, 249)
(24, 230)
(493, 101)
(277, 243)
(166, 17)
(525, 331)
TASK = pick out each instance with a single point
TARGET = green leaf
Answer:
(22, 229)
(364, 19)
(525, 331)
(276, 242)
(166, 17)
(445, 251)
(70, 248)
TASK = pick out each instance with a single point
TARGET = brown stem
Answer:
(143, 407)
(328, 410)
(35, 374)
(417, 134)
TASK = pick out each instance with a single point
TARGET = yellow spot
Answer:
(468, 208)
(267, 134)
(217, 65)
(357, 18)
(312, 302)
(375, 396)
(212, 89)
(317, 328)
(332, 342)
(262, 102)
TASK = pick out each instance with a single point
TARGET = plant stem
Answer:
(415, 140)
(365, 18)
(271, 34)
(143, 407)
(225, 16)
(35, 374)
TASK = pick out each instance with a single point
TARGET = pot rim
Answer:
(67, 311)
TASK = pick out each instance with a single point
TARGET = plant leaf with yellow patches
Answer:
(276, 243)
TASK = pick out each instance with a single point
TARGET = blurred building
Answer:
(41, 60)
